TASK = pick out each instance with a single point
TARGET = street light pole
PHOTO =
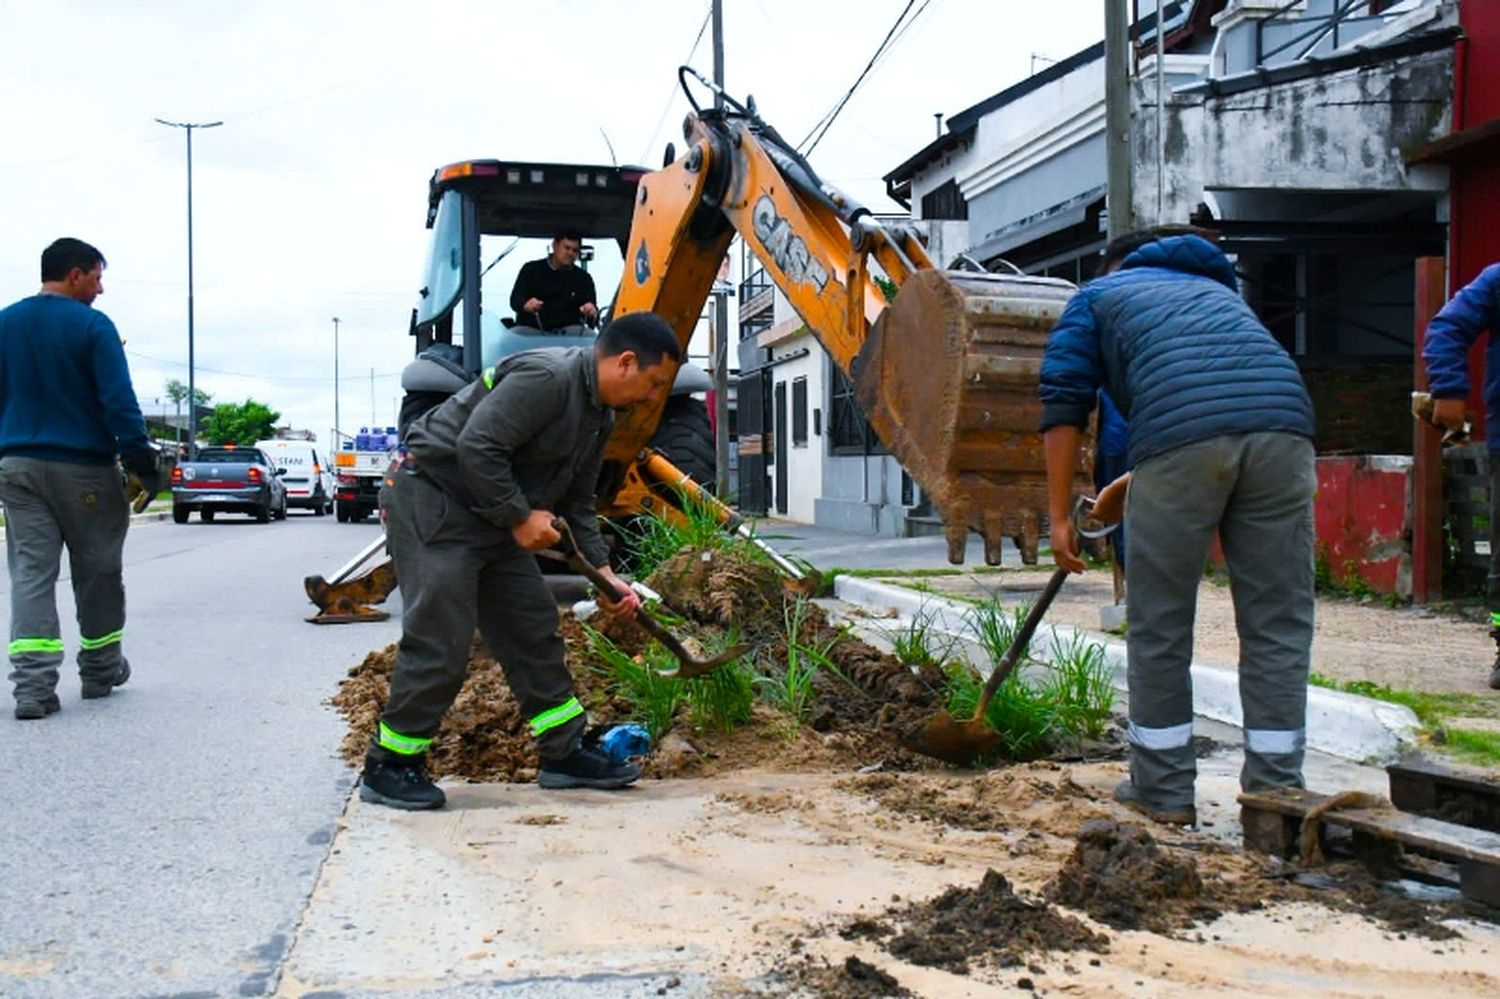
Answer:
(336, 383)
(192, 384)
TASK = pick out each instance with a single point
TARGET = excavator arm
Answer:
(946, 374)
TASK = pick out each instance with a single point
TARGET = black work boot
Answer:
(586, 766)
(31, 708)
(399, 781)
(94, 689)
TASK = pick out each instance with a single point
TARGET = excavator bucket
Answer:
(948, 379)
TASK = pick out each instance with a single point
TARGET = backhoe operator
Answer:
(483, 477)
(554, 291)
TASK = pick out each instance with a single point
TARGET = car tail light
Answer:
(176, 476)
(253, 474)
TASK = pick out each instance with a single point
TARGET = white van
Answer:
(308, 477)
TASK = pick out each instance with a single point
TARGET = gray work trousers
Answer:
(49, 505)
(457, 571)
(1256, 490)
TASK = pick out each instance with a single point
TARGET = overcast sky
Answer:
(309, 202)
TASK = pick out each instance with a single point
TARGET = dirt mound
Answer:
(863, 703)
(1119, 876)
(987, 924)
(852, 979)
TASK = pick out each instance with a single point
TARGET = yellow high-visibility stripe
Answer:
(102, 640)
(35, 645)
(554, 717)
(404, 744)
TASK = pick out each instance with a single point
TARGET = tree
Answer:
(177, 391)
(240, 423)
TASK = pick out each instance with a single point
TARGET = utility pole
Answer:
(721, 304)
(336, 383)
(192, 383)
(1117, 117)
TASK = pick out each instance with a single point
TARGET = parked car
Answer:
(228, 479)
(306, 475)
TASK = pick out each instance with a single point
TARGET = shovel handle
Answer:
(1023, 636)
(643, 617)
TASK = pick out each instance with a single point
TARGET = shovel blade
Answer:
(946, 738)
(688, 667)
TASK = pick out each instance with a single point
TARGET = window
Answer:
(945, 202)
(848, 431)
(799, 412)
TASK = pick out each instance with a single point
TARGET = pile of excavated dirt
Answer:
(988, 924)
(850, 979)
(862, 706)
(1119, 876)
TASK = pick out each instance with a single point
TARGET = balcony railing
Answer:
(1291, 35)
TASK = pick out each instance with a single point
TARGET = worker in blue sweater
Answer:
(1472, 312)
(67, 412)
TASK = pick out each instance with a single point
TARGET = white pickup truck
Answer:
(357, 476)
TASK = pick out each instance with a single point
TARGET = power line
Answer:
(672, 94)
(275, 378)
(896, 30)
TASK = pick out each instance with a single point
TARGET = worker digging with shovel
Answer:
(1220, 441)
(484, 475)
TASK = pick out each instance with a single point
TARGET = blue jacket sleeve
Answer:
(122, 413)
(1072, 370)
(1453, 331)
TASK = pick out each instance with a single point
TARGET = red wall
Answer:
(1360, 521)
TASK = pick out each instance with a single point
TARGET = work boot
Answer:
(586, 766)
(95, 689)
(30, 708)
(399, 782)
(1127, 795)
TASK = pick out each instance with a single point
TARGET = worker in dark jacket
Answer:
(1473, 311)
(67, 411)
(485, 474)
(1219, 440)
(554, 291)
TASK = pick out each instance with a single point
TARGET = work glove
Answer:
(143, 478)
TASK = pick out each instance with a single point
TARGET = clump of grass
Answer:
(1081, 683)
(1071, 698)
(919, 642)
(1474, 745)
(789, 686)
(657, 536)
(653, 698)
(723, 699)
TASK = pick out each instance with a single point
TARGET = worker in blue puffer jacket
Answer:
(1474, 310)
(1219, 440)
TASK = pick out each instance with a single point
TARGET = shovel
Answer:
(689, 665)
(960, 742)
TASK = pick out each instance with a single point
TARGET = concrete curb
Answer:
(1340, 724)
(135, 518)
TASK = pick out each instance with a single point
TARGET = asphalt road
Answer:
(164, 840)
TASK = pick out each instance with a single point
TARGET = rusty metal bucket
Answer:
(948, 380)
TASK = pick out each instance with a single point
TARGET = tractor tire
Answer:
(686, 438)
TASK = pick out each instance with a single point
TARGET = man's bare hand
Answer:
(590, 310)
(1065, 545)
(1109, 506)
(1448, 413)
(533, 305)
(536, 531)
(624, 602)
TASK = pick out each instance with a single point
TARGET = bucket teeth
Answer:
(948, 380)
